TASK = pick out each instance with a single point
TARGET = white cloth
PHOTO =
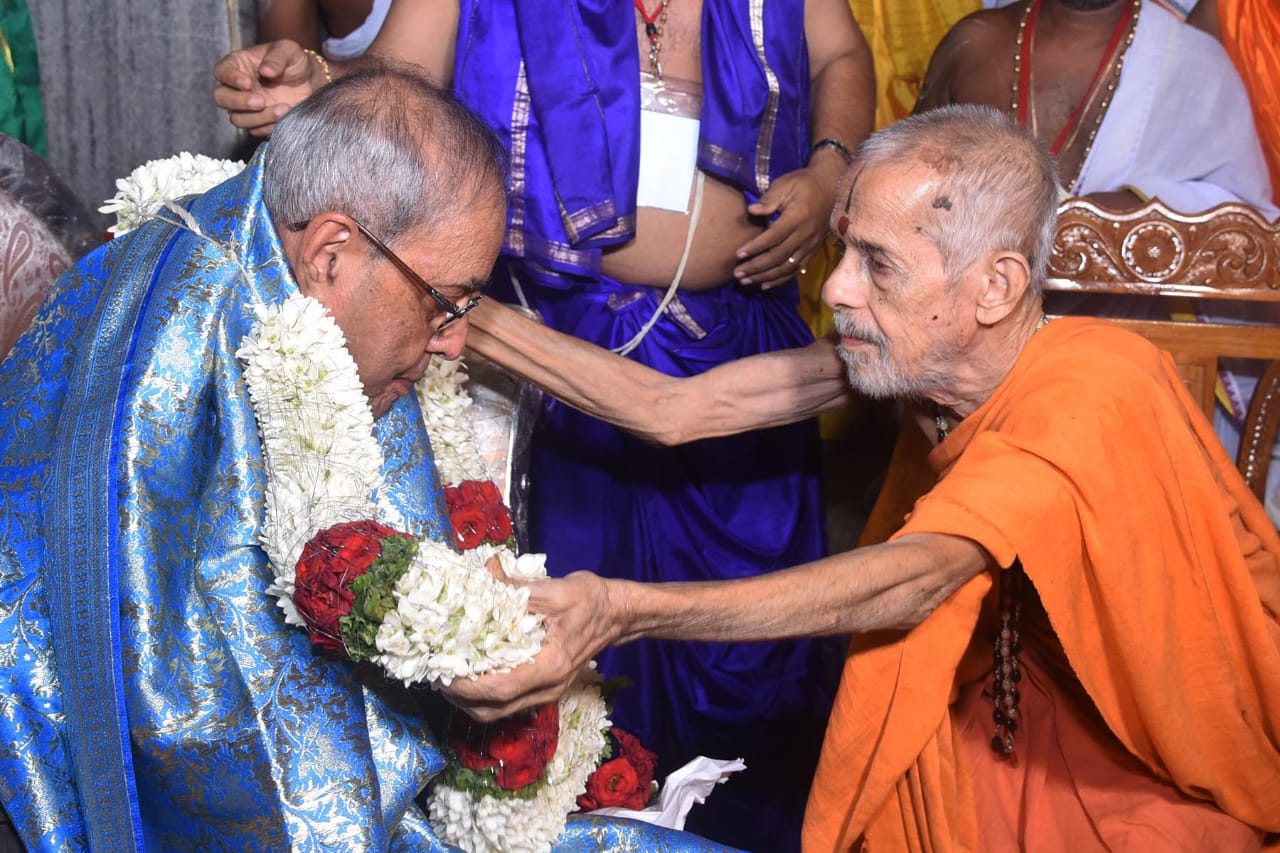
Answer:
(1180, 126)
(356, 42)
(683, 789)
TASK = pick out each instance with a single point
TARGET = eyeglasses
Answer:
(452, 311)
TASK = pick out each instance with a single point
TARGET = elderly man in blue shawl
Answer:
(154, 696)
(672, 166)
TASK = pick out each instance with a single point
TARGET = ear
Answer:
(320, 250)
(1006, 277)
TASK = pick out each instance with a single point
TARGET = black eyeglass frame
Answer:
(451, 310)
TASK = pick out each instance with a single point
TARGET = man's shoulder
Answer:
(973, 38)
(966, 66)
(1100, 357)
(1094, 337)
(1190, 51)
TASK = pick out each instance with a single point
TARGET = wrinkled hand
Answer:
(580, 622)
(258, 85)
(803, 202)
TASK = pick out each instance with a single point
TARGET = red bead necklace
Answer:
(654, 24)
(1024, 95)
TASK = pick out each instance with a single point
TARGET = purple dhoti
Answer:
(716, 509)
(559, 81)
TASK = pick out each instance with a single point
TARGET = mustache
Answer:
(848, 327)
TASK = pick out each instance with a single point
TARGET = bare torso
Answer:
(652, 256)
(975, 64)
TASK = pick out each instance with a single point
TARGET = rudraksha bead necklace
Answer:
(1007, 670)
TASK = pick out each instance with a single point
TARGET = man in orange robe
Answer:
(1149, 661)
(1074, 642)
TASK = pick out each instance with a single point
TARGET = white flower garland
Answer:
(452, 618)
(140, 196)
(323, 463)
(469, 820)
(446, 405)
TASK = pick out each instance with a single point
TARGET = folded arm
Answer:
(894, 586)
(842, 108)
(752, 393)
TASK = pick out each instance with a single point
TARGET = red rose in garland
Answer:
(324, 576)
(614, 785)
(624, 782)
(470, 525)
(524, 748)
(482, 492)
(645, 761)
(498, 523)
(517, 748)
(477, 513)
(467, 738)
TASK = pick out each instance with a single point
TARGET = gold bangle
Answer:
(322, 62)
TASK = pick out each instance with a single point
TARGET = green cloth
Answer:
(21, 115)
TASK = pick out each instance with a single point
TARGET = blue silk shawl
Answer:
(557, 79)
(153, 697)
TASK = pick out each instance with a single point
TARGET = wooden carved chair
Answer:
(1229, 254)
(1258, 437)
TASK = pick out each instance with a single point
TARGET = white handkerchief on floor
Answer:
(668, 159)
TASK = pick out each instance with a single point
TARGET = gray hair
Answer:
(997, 189)
(384, 145)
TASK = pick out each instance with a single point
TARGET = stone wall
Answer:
(130, 81)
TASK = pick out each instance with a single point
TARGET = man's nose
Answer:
(450, 342)
(843, 288)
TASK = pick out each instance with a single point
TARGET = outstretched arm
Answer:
(893, 586)
(752, 393)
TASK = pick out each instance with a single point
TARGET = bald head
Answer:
(385, 145)
(990, 187)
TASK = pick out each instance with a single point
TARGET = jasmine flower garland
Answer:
(141, 195)
(451, 618)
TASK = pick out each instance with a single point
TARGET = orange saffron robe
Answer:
(1159, 573)
(1251, 34)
